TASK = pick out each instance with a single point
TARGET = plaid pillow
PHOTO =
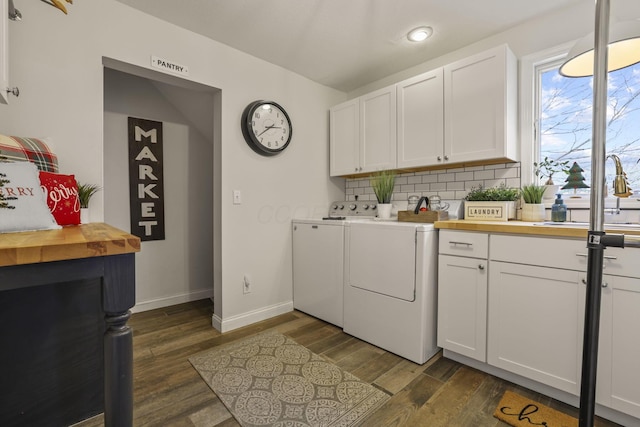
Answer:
(31, 149)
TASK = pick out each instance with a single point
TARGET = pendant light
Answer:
(623, 50)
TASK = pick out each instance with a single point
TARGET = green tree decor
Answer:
(575, 179)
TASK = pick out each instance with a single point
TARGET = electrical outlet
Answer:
(246, 284)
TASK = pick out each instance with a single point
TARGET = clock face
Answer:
(266, 127)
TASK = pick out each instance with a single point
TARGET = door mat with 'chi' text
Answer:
(519, 411)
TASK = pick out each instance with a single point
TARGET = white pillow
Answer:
(23, 205)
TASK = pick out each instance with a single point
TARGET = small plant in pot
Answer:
(494, 194)
(533, 208)
(85, 193)
(382, 183)
(546, 169)
(491, 204)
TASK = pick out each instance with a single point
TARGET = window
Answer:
(563, 117)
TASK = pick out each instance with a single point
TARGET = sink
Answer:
(607, 226)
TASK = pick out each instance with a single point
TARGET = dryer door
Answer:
(382, 259)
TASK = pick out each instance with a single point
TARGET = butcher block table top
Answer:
(72, 242)
(521, 227)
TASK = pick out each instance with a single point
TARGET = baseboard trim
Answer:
(245, 319)
(172, 300)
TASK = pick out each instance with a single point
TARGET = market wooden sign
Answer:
(146, 187)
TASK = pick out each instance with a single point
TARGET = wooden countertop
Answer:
(72, 242)
(520, 227)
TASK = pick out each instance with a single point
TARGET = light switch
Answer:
(237, 197)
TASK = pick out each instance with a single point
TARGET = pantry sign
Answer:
(146, 187)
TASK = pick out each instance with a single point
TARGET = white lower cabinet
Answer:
(618, 383)
(529, 305)
(462, 293)
(462, 302)
(535, 323)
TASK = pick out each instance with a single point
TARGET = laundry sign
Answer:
(146, 187)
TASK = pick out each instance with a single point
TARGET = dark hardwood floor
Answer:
(169, 392)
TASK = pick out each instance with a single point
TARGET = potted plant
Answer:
(85, 192)
(491, 204)
(533, 208)
(382, 183)
(545, 169)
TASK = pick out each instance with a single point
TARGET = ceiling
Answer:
(346, 44)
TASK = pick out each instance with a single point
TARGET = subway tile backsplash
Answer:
(452, 183)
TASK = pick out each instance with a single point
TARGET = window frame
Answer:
(529, 104)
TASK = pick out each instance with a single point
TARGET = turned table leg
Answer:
(118, 298)
(118, 370)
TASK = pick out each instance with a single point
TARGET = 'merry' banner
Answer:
(146, 188)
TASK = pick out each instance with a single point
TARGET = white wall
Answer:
(180, 267)
(56, 60)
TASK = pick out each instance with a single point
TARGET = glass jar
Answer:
(412, 202)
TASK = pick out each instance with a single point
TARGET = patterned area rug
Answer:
(269, 379)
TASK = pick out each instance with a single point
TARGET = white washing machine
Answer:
(318, 259)
(390, 282)
(318, 268)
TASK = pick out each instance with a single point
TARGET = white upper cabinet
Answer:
(363, 134)
(463, 112)
(421, 120)
(344, 138)
(4, 51)
(480, 107)
(378, 130)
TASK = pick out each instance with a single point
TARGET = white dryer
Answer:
(390, 282)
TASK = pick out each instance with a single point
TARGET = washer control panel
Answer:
(353, 208)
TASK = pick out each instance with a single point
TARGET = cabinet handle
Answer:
(439, 158)
(481, 266)
(460, 243)
(446, 157)
(604, 284)
(604, 256)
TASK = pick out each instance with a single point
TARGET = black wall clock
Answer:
(266, 127)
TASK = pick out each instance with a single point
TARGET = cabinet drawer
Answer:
(568, 254)
(464, 243)
(621, 262)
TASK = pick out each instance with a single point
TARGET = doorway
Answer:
(179, 268)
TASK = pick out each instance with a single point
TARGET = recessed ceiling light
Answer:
(419, 34)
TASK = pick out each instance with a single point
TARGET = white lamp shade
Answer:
(623, 51)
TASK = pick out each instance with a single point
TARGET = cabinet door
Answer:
(535, 323)
(421, 120)
(462, 305)
(618, 373)
(378, 130)
(480, 101)
(4, 51)
(344, 138)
